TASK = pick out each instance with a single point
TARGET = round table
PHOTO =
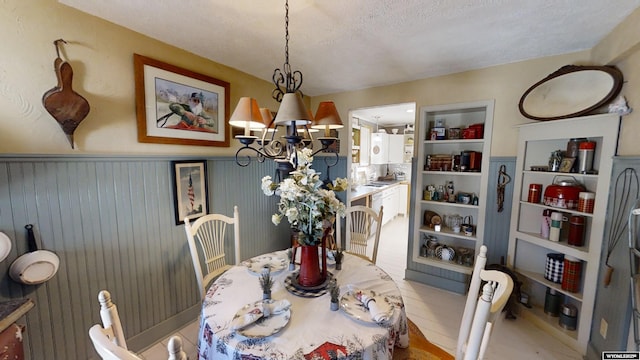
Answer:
(313, 330)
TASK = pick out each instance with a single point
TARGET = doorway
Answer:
(382, 149)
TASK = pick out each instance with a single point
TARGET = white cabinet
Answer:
(528, 249)
(390, 203)
(396, 149)
(379, 148)
(465, 182)
(403, 199)
(387, 148)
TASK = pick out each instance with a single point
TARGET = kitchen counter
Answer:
(364, 191)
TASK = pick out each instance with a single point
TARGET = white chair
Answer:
(108, 338)
(210, 231)
(363, 225)
(481, 313)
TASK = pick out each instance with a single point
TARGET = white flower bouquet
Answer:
(304, 202)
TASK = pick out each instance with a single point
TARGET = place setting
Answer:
(365, 306)
(262, 318)
(257, 265)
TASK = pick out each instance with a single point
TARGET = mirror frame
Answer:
(615, 74)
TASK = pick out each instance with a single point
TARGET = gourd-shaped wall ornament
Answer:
(65, 105)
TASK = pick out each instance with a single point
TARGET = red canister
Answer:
(571, 274)
(535, 193)
(576, 230)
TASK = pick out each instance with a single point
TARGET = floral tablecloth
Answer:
(313, 331)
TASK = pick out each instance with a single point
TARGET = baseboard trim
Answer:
(147, 338)
(436, 281)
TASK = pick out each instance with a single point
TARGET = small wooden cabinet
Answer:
(11, 334)
(529, 249)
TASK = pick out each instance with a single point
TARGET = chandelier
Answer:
(293, 119)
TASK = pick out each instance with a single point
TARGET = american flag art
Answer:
(190, 193)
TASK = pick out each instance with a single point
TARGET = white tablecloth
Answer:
(314, 331)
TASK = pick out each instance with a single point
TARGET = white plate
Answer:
(256, 264)
(263, 327)
(5, 246)
(356, 310)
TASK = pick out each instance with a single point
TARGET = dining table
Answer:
(308, 328)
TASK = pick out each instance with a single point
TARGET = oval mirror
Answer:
(571, 91)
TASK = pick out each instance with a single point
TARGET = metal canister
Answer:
(535, 193)
(568, 316)
(576, 230)
(572, 151)
(552, 301)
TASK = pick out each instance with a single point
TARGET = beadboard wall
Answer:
(111, 221)
(613, 303)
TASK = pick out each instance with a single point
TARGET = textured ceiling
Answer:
(343, 45)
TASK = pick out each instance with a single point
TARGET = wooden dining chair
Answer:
(108, 338)
(363, 226)
(206, 238)
(481, 313)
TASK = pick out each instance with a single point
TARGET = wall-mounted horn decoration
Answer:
(65, 105)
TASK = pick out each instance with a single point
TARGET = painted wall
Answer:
(101, 55)
(507, 83)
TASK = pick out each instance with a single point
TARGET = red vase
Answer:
(310, 274)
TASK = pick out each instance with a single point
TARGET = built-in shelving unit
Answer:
(528, 249)
(466, 180)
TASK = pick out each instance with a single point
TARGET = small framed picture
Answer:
(189, 189)
(567, 164)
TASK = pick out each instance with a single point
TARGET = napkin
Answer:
(378, 308)
(257, 311)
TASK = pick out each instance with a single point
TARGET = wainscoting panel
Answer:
(111, 222)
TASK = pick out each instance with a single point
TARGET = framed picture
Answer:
(567, 164)
(179, 106)
(189, 189)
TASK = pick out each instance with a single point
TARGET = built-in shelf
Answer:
(528, 250)
(473, 154)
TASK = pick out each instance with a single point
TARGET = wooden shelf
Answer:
(550, 324)
(448, 265)
(539, 278)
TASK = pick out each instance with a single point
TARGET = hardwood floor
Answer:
(436, 312)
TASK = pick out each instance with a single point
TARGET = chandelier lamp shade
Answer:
(296, 121)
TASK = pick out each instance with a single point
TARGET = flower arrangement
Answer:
(304, 201)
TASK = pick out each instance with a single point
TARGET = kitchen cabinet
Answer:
(390, 203)
(379, 148)
(467, 185)
(528, 245)
(387, 148)
(396, 149)
(403, 199)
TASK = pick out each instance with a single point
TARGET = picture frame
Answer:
(179, 106)
(190, 191)
(567, 164)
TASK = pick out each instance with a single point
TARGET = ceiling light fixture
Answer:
(293, 117)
